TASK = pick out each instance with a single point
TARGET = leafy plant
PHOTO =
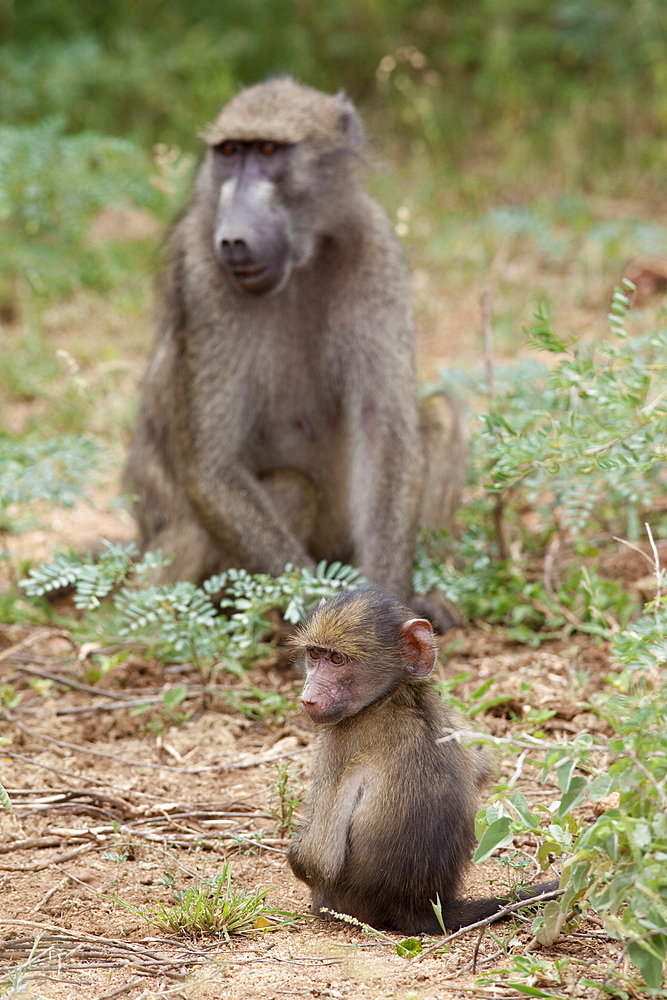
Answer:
(616, 865)
(54, 471)
(52, 185)
(285, 797)
(215, 906)
(4, 799)
(260, 705)
(169, 712)
(180, 622)
(582, 447)
(594, 444)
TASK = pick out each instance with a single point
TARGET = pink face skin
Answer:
(331, 689)
(338, 686)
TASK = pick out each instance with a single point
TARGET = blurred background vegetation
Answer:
(515, 101)
(581, 80)
(521, 146)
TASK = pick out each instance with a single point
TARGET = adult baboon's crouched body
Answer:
(278, 419)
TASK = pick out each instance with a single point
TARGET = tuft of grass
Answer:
(214, 906)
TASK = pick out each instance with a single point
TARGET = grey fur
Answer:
(311, 381)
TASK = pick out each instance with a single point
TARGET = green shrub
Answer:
(52, 186)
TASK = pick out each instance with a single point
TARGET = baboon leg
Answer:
(295, 498)
(444, 440)
(197, 556)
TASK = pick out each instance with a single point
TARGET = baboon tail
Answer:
(463, 912)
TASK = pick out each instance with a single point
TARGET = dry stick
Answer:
(76, 685)
(57, 934)
(136, 763)
(499, 506)
(91, 753)
(654, 563)
(105, 949)
(47, 896)
(66, 796)
(116, 705)
(24, 845)
(488, 340)
(61, 772)
(30, 640)
(549, 566)
(498, 915)
(133, 983)
(56, 859)
(206, 813)
(84, 885)
(183, 838)
(476, 950)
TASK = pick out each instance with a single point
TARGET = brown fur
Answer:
(391, 814)
(289, 113)
(312, 381)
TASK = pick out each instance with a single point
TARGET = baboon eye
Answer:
(227, 148)
(337, 658)
(314, 654)
(267, 148)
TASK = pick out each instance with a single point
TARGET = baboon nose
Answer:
(236, 252)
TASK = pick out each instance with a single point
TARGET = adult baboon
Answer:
(279, 420)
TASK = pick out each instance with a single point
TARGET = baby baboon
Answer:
(391, 811)
(278, 419)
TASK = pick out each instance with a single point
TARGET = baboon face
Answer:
(252, 236)
(280, 169)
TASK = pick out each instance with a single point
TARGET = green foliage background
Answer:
(475, 98)
(153, 67)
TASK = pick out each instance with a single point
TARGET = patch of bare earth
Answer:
(113, 802)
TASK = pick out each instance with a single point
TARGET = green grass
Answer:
(213, 907)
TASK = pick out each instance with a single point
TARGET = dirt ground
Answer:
(115, 805)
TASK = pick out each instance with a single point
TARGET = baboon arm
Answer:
(240, 515)
(228, 498)
(328, 834)
(386, 472)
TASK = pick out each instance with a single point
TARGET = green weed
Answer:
(215, 906)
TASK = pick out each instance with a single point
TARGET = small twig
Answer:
(47, 896)
(92, 753)
(133, 983)
(656, 564)
(114, 706)
(635, 548)
(498, 915)
(28, 842)
(499, 525)
(30, 640)
(657, 785)
(76, 685)
(56, 859)
(518, 769)
(488, 340)
(143, 764)
(549, 566)
(476, 950)
(526, 740)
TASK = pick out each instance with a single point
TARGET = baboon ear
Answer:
(418, 647)
(349, 121)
